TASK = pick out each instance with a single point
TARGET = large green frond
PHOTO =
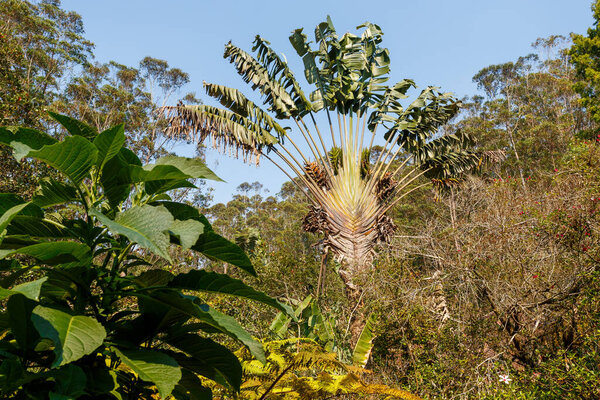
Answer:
(235, 101)
(227, 129)
(448, 157)
(423, 117)
(443, 145)
(388, 106)
(311, 71)
(280, 70)
(251, 70)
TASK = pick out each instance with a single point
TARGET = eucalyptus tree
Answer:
(39, 44)
(349, 193)
(585, 58)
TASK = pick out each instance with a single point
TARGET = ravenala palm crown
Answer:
(349, 191)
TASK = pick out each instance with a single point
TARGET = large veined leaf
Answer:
(173, 168)
(187, 231)
(9, 215)
(70, 383)
(54, 252)
(23, 140)
(193, 167)
(121, 172)
(74, 127)
(156, 317)
(52, 192)
(190, 388)
(26, 226)
(213, 282)
(9, 200)
(164, 185)
(74, 336)
(145, 225)
(64, 283)
(151, 173)
(183, 212)
(109, 143)
(116, 176)
(19, 310)
(13, 272)
(101, 381)
(74, 157)
(152, 366)
(171, 172)
(31, 290)
(208, 358)
(364, 345)
(219, 248)
(224, 323)
(16, 241)
(154, 277)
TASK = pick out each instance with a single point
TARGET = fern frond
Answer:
(301, 369)
(392, 393)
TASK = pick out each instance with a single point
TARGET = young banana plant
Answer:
(350, 191)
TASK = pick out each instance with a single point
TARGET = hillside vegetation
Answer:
(471, 269)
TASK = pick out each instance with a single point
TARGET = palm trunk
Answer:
(354, 295)
(322, 272)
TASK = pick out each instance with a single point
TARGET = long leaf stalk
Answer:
(308, 131)
(362, 134)
(309, 141)
(312, 117)
(401, 186)
(291, 178)
(389, 163)
(324, 146)
(310, 184)
(323, 159)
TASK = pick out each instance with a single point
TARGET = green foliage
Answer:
(528, 108)
(39, 41)
(301, 369)
(303, 362)
(77, 320)
(310, 323)
(585, 56)
(364, 345)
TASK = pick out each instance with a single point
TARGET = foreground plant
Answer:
(304, 363)
(349, 192)
(301, 369)
(75, 320)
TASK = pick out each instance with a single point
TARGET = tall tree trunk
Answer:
(354, 294)
(322, 273)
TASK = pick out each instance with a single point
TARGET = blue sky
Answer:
(434, 42)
